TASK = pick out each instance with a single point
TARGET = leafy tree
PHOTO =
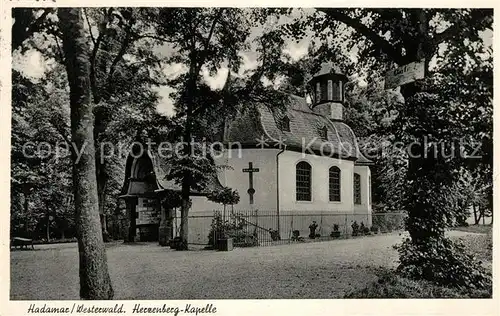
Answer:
(435, 109)
(475, 189)
(201, 38)
(124, 69)
(225, 196)
(33, 110)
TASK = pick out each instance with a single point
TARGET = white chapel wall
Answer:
(365, 206)
(320, 183)
(264, 181)
(265, 192)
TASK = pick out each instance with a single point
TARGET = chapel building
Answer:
(300, 159)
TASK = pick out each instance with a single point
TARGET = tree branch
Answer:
(258, 75)
(376, 40)
(61, 55)
(93, 76)
(212, 28)
(158, 38)
(93, 58)
(209, 37)
(90, 26)
(123, 49)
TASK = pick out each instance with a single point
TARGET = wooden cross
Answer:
(250, 170)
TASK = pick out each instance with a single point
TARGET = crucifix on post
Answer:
(251, 190)
(250, 170)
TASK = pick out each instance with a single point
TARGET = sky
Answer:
(33, 65)
(293, 49)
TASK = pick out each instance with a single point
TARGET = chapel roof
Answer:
(305, 127)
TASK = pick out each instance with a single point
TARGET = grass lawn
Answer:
(479, 241)
(480, 229)
(329, 269)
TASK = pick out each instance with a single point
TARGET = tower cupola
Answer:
(326, 89)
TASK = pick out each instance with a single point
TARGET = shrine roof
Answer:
(161, 168)
(306, 130)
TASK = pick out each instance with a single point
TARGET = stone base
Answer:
(335, 234)
(175, 243)
(164, 235)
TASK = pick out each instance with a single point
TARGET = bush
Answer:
(220, 229)
(335, 233)
(363, 230)
(391, 285)
(355, 228)
(242, 238)
(443, 262)
(275, 236)
(55, 241)
(388, 221)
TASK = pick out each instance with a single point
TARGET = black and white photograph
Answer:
(214, 153)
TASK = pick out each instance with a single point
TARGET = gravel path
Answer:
(305, 270)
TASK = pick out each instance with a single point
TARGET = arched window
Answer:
(334, 184)
(357, 189)
(303, 181)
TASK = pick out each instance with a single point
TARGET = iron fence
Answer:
(250, 228)
(262, 228)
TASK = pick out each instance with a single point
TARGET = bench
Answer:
(22, 242)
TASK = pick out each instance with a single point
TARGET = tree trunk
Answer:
(101, 189)
(131, 209)
(105, 223)
(95, 282)
(481, 214)
(186, 202)
(185, 206)
(476, 218)
(26, 209)
(424, 221)
(186, 180)
(48, 228)
(184, 225)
